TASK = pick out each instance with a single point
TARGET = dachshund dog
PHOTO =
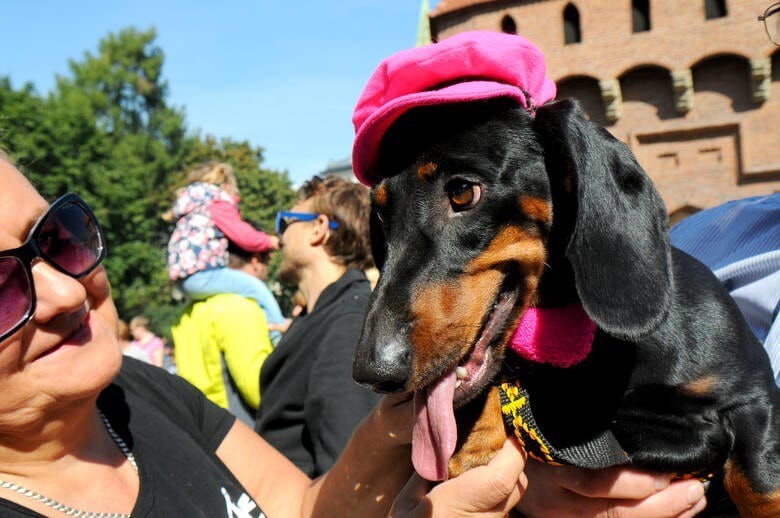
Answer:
(486, 213)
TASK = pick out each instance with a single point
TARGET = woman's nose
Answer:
(56, 292)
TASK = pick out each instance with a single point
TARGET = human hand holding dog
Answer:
(615, 492)
(485, 491)
(494, 489)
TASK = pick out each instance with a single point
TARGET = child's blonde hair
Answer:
(218, 173)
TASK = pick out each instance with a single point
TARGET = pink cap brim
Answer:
(369, 137)
(468, 67)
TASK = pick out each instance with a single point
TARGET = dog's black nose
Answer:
(383, 368)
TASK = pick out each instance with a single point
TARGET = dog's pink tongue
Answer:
(435, 431)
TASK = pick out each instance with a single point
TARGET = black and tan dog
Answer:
(485, 210)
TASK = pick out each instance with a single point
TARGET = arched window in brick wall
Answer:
(586, 91)
(640, 15)
(571, 25)
(648, 95)
(721, 84)
(508, 25)
(715, 9)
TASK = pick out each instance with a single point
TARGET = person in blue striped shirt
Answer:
(740, 242)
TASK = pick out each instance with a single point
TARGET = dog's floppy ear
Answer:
(618, 240)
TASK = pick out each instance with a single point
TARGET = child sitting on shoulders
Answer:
(207, 216)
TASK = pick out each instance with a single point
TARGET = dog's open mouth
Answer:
(435, 431)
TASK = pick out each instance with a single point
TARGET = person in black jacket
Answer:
(311, 405)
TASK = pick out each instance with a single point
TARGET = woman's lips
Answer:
(78, 337)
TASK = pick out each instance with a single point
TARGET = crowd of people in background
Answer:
(226, 341)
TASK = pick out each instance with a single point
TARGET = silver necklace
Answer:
(66, 509)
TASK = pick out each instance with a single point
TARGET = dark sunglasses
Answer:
(285, 219)
(68, 237)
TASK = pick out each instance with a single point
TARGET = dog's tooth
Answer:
(461, 372)
(458, 383)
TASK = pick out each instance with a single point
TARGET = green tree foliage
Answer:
(108, 132)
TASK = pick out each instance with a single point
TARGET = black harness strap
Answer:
(600, 452)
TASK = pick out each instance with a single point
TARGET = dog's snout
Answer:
(383, 368)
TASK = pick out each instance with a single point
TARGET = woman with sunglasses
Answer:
(80, 430)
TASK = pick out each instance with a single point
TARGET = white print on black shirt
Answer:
(241, 509)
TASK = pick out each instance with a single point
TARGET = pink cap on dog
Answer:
(471, 66)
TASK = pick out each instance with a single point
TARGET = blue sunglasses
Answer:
(285, 219)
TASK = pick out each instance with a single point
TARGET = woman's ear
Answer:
(619, 241)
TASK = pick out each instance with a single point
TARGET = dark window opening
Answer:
(640, 15)
(508, 25)
(715, 9)
(571, 25)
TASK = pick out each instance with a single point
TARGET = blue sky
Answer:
(282, 74)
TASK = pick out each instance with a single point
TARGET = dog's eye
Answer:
(463, 195)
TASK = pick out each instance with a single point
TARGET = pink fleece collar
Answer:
(561, 336)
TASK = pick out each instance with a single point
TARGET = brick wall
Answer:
(719, 143)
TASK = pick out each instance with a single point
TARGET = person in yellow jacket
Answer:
(221, 343)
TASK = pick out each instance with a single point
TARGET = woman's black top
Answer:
(174, 432)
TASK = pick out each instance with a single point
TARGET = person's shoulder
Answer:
(355, 297)
(757, 214)
(194, 190)
(226, 308)
(147, 382)
(203, 191)
(731, 232)
(155, 391)
(156, 386)
(135, 374)
(225, 303)
(731, 213)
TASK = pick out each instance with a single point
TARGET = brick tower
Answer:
(693, 86)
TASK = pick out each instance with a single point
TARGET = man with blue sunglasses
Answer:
(284, 219)
(310, 404)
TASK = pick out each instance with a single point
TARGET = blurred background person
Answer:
(311, 405)
(146, 341)
(169, 359)
(128, 347)
(222, 341)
